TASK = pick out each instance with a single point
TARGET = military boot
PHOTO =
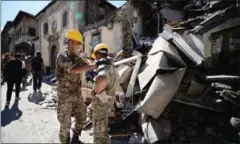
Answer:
(75, 137)
(7, 105)
(64, 140)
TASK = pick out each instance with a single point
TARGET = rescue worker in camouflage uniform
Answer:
(103, 93)
(70, 64)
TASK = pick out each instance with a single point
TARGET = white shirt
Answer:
(23, 65)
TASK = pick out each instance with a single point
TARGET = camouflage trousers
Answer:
(98, 112)
(64, 111)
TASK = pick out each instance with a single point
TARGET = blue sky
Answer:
(11, 8)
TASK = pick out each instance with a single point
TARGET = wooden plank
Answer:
(133, 77)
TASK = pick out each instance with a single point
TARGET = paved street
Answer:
(27, 122)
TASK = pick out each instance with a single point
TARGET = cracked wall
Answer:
(125, 18)
(116, 30)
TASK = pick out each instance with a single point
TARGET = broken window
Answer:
(225, 50)
(234, 40)
(95, 39)
(217, 43)
(9, 39)
(31, 31)
(65, 19)
(226, 41)
(45, 28)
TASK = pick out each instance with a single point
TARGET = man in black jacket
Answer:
(12, 73)
(37, 71)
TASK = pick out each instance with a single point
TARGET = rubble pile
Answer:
(50, 99)
(186, 88)
(50, 102)
(50, 79)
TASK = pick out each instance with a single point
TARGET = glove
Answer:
(103, 97)
(103, 62)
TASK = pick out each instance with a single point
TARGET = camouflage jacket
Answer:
(109, 71)
(68, 83)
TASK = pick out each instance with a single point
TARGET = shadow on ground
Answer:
(21, 89)
(9, 115)
(35, 97)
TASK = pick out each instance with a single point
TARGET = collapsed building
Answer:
(115, 30)
(180, 74)
(187, 70)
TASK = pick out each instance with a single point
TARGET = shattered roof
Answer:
(106, 20)
(20, 15)
(216, 18)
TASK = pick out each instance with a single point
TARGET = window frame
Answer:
(95, 34)
(45, 28)
(65, 13)
(226, 37)
(225, 46)
(29, 32)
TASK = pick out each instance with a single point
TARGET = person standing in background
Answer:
(37, 71)
(24, 71)
(12, 73)
(6, 58)
(28, 64)
(29, 67)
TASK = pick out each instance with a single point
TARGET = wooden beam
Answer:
(133, 77)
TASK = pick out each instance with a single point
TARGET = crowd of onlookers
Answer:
(16, 68)
(26, 66)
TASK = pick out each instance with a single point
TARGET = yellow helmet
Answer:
(74, 35)
(99, 47)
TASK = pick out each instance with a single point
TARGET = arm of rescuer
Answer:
(65, 62)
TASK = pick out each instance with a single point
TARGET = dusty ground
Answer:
(27, 122)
